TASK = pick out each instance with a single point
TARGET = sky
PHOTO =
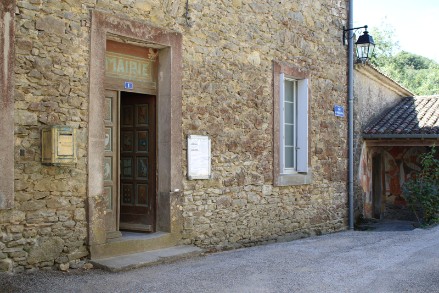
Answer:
(415, 22)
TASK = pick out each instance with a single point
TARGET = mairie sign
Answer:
(128, 67)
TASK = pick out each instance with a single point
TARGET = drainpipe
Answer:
(351, 113)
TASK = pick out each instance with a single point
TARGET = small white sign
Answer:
(128, 85)
(198, 157)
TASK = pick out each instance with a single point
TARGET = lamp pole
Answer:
(351, 115)
(365, 47)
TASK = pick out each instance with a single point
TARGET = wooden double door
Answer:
(132, 162)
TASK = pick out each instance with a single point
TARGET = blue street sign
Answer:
(338, 111)
(128, 85)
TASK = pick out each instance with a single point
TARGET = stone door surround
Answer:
(7, 58)
(169, 145)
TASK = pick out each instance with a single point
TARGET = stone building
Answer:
(393, 129)
(104, 101)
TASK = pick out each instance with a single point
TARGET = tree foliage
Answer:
(417, 73)
(422, 190)
(386, 47)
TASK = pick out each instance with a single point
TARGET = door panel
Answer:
(110, 160)
(137, 162)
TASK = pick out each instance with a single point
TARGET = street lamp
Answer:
(365, 44)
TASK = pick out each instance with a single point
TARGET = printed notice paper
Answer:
(199, 157)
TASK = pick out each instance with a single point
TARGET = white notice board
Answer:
(198, 157)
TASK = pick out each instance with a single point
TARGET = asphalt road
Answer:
(351, 261)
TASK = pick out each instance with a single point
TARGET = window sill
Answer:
(293, 179)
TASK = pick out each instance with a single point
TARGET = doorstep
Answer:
(147, 258)
(132, 242)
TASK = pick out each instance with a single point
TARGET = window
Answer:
(293, 125)
(291, 93)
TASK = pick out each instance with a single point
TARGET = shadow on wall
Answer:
(399, 164)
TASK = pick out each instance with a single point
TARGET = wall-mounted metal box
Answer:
(58, 145)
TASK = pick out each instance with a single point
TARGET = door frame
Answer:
(377, 186)
(169, 105)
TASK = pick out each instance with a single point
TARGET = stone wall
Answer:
(228, 96)
(47, 225)
(373, 93)
(228, 52)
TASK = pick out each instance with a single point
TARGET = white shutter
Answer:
(282, 121)
(302, 126)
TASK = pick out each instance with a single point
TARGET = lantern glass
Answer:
(364, 51)
(365, 46)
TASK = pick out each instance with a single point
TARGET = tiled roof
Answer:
(412, 117)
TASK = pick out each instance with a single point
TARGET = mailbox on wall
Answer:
(58, 145)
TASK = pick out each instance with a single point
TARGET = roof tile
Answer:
(412, 115)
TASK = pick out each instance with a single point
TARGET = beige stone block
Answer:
(48, 184)
(22, 196)
(69, 224)
(39, 216)
(237, 3)
(32, 205)
(64, 267)
(23, 117)
(78, 254)
(23, 44)
(87, 266)
(57, 202)
(16, 228)
(144, 5)
(5, 265)
(253, 198)
(11, 216)
(79, 215)
(46, 249)
(17, 254)
(51, 25)
(239, 202)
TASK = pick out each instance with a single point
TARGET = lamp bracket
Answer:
(187, 16)
(345, 30)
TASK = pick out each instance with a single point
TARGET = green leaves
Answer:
(417, 73)
(422, 190)
(386, 47)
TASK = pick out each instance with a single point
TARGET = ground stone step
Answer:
(142, 259)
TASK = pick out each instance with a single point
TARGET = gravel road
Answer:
(351, 261)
